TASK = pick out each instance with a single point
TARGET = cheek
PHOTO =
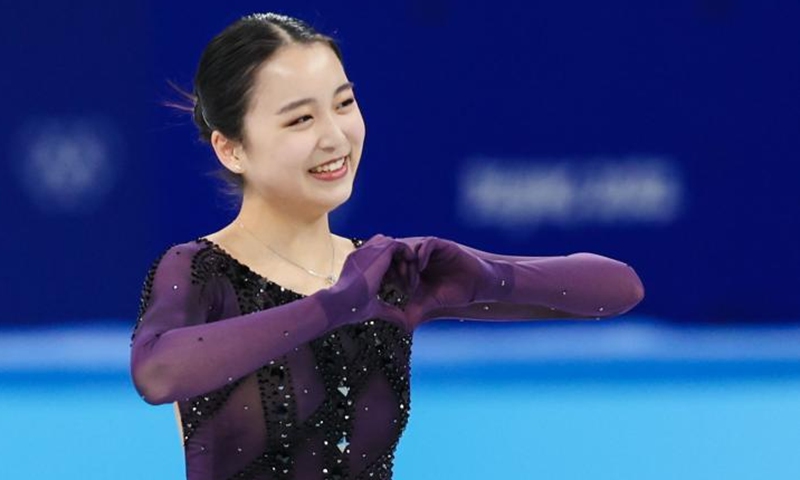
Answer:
(355, 128)
(291, 150)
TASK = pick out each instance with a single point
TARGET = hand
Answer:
(376, 281)
(448, 275)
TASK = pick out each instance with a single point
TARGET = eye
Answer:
(298, 120)
(348, 102)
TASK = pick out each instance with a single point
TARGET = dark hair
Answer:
(226, 74)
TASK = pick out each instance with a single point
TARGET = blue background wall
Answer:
(665, 135)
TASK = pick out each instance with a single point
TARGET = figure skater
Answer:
(284, 347)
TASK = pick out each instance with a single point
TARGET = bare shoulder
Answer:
(219, 237)
(344, 244)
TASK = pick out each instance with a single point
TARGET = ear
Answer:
(229, 152)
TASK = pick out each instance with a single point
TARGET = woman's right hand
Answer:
(377, 279)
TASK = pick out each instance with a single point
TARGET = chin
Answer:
(334, 200)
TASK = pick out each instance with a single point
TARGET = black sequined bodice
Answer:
(332, 408)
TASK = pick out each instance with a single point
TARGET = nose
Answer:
(331, 134)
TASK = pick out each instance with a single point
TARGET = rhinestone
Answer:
(600, 309)
(174, 287)
(344, 390)
(230, 379)
(285, 333)
(353, 309)
(239, 449)
(502, 283)
(486, 307)
(563, 292)
(343, 443)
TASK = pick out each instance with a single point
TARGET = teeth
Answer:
(329, 167)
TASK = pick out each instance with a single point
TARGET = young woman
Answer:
(285, 347)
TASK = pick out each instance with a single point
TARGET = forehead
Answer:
(296, 71)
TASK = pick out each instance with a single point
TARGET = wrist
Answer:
(340, 307)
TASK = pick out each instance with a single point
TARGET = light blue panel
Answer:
(654, 431)
(80, 431)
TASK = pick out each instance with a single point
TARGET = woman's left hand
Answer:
(447, 276)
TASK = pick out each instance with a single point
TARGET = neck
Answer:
(300, 236)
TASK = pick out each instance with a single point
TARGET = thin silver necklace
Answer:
(330, 279)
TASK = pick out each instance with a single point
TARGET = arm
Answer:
(457, 281)
(176, 354)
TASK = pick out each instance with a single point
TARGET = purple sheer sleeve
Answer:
(177, 352)
(457, 281)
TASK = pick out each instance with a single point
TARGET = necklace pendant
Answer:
(330, 279)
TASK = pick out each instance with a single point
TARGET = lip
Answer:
(335, 175)
(330, 161)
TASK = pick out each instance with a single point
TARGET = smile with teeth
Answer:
(330, 166)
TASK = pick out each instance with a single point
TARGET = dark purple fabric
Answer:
(458, 281)
(271, 383)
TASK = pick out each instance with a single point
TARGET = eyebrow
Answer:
(298, 103)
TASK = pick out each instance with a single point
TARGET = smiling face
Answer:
(302, 113)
